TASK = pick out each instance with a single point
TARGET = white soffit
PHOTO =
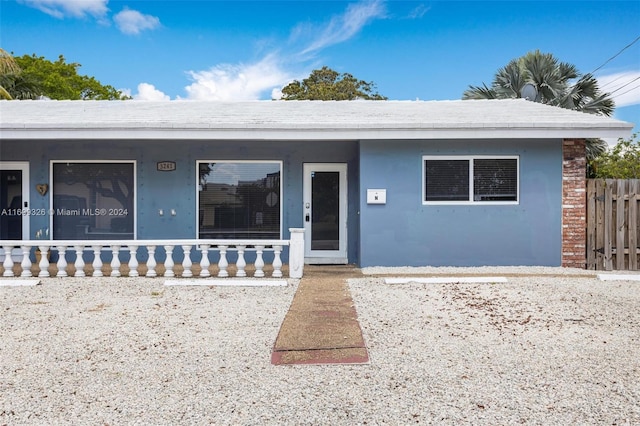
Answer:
(310, 135)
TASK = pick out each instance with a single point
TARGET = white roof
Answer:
(300, 120)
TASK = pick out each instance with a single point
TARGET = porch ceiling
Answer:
(300, 120)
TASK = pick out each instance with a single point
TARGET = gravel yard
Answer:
(547, 349)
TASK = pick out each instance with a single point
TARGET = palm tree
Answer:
(556, 83)
(8, 69)
(13, 84)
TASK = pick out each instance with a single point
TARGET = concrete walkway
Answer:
(321, 326)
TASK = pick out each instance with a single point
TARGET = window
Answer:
(480, 179)
(239, 199)
(93, 201)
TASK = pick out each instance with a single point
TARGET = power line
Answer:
(608, 83)
(624, 85)
(614, 56)
(630, 90)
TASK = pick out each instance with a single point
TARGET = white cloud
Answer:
(133, 22)
(70, 8)
(418, 12)
(624, 87)
(226, 82)
(148, 92)
(266, 77)
(276, 92)
(342, 27)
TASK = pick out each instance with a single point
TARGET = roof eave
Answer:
(297, 133)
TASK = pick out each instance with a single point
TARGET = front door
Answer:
(14, 200)
(325, 213)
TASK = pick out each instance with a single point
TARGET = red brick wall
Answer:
(574, 203)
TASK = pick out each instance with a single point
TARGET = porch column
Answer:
(296, 253)
(574, 203)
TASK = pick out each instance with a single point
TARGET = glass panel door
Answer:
(325, 213)
(14, 194)
(325, 210)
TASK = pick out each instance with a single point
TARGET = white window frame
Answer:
(135, 187)
(469, 158)
(280, 163)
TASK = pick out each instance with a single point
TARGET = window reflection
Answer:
(239, 200)
(93, 201)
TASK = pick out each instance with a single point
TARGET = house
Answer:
(385, 183)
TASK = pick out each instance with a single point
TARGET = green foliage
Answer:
(557, 83)
(7, 63)
(13, 84)
(595, 147)
(60, 80)
(326, 84)
(621, 162)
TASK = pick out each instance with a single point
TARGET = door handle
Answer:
(307, 218)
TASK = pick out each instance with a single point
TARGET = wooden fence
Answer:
(613, 224)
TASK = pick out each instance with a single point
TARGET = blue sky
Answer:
(223, 50)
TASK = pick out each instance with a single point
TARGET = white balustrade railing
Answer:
(131, 252)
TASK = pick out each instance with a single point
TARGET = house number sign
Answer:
(166, 166)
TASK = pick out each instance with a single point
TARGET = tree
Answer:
(13, 84)
(110, 180)
(326, 84)
(556, 83)
(8, 69)
(621, 162)
(60, 80)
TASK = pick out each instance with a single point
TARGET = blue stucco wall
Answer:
(406, 232)
(177, 189)
(401, 232)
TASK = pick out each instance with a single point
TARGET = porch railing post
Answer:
(8, 262)
(241, 263)
(169, 263)
(79, 263)
(296, 253)
(186, 262)
(115, 261)
(97, 262)
(151, 261)
(44, 262)
(204, 262)
(259, 263)
(222, 263)
(26, 262)
(133, 261)
(277, 262)
(62, 261)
